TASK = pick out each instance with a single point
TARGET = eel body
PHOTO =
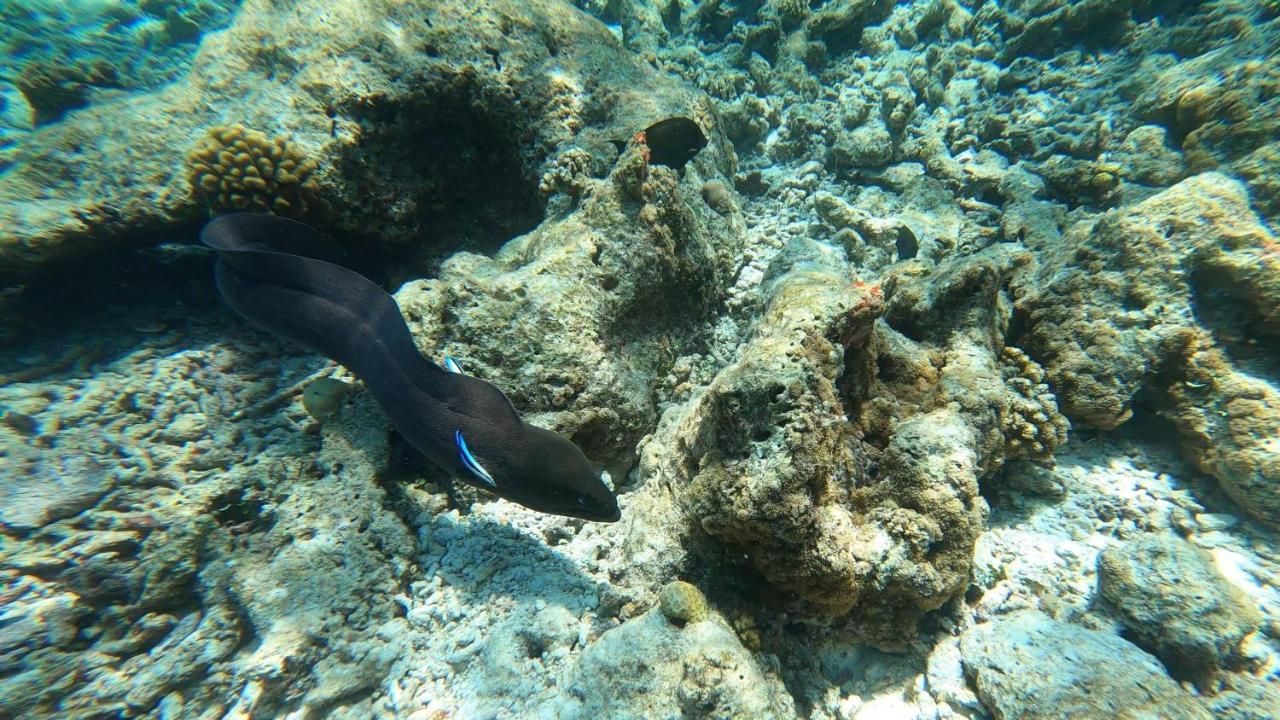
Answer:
(287, 278)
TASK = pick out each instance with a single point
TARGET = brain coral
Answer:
(235, 168)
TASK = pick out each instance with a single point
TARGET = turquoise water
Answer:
(524, 358)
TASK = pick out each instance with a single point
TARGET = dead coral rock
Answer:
(53, 89)
(1026, 665)
(648, 667)
(769, 464)
(1224, 109)
(840, 24)
(572, 320)
(1149, 159)
(941, 348)
(1261, 170)
(1081, 182)
(235, 168)
(1178, 295)
(1227, 419)
(35, 493)
(1041, 28)
(768, 455)
(1171, 597)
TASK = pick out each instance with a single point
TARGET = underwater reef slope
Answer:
(165, 522)
(940, 382)
(370, 94)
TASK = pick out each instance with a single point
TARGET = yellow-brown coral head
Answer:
(235, 168)
(1033, 426)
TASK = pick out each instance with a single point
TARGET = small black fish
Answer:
(674, 141)
(907, 244)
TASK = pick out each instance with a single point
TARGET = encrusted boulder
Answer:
(652, 666)
(407, 111)
(943, 346)
(839, 459)
(1223, 106)
(766, 459)
(1177, 296)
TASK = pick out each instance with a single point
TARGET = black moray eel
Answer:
(286, 278)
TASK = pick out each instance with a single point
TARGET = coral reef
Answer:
(1043, 28)
(1223, 107)
(826, 359)
(237, 169)
(259, 547)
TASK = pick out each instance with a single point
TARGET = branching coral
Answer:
(235, 168)
(1033, 427)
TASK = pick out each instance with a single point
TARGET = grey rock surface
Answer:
(1027, 665)
(26, 504)
(650, 667)
(1178, 606)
